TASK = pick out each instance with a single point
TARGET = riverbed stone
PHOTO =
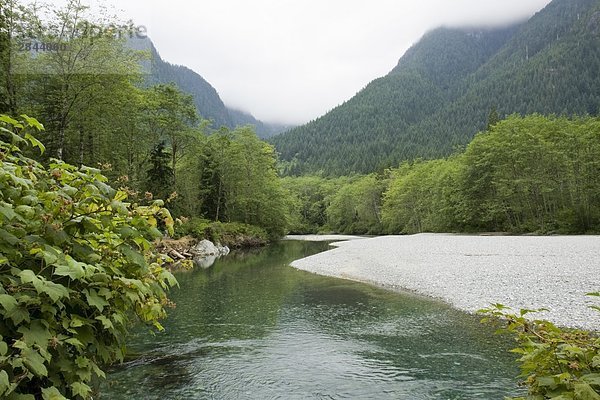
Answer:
(204, 248)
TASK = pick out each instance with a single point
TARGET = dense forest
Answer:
(525, 174)
(100, 108)
(443, 88)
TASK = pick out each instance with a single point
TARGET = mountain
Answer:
(263, 129)
(206, 97)
(444, 87)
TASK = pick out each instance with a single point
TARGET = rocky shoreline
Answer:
(203, 253)
(473, 272)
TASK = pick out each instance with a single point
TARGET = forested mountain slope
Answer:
(442, 90)
(206, 97)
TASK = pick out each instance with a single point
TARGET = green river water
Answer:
(251, 327)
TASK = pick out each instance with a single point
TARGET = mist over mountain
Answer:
(206, 98)
(443, 89)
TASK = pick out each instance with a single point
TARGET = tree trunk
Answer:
(81, 147)
(174, 160)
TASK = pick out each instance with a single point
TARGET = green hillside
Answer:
(442, 90)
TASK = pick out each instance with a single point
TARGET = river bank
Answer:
(472, 272)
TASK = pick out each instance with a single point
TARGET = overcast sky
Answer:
(293, 60)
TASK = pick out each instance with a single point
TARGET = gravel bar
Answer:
(473, 272)
(322, 238)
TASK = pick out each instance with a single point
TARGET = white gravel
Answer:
(472, 272)
(322, 238)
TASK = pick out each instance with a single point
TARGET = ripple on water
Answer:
(265, 331)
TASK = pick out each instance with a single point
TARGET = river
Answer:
(251, 327)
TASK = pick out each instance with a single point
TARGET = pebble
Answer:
(473, 272)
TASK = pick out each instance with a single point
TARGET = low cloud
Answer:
(290, 60)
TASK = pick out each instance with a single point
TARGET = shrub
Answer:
(76, 267)
(232, 234)
(559, 364)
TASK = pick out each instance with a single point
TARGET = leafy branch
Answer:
(555, 363)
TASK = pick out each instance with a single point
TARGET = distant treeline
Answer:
(525, 174)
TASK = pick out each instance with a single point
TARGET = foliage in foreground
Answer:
(558, 364)
(76, 266)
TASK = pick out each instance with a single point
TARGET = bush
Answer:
(559, 364)
(76, 266)
(232, 234)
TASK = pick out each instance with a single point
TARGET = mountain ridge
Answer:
(206, 98)
(443, 88)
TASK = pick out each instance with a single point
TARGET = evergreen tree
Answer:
(493, 119)
(160, 176)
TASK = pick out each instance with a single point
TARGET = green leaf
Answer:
(95, 300)
(58, 237)
(8, 211)
(74, 342)
(34, 362)
(8, 302)
(16, 396)
(127, 232)
(546, 381)
(8, 237)
(3, 348)
(592, 379)
(36, 334)
(52, 393)
(25, 211)
(28, 276)
(133, 256)
(106, 323)
(526, 311)
(4, 382)
(76, 322)
(81, 389)
(50, 254)
(10, 121)
(35, 143)
(54, 290)
(167, 276)
(32, 122)
(18, 315)
(584, 391)
(73, 270)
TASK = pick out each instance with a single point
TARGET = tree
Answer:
(87, 67)
(493, 119)
(239, 181)
(16, 22)
(356, 207)
(174, 117)
(160, 177)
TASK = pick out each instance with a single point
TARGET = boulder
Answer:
(223, 250)
(204, 248)
(205, 252)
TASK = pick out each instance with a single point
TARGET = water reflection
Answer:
(252, 328)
